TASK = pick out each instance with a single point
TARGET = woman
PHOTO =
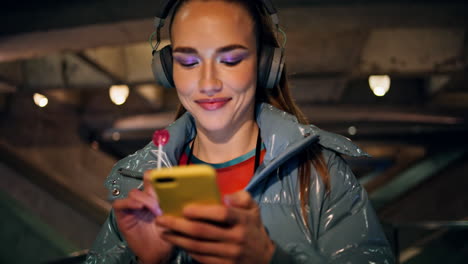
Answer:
(300, 203)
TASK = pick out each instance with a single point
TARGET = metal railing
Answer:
(412, 239)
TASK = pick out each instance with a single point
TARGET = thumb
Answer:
(148, 186)
(240, 199)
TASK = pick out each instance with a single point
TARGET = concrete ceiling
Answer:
(75, 50)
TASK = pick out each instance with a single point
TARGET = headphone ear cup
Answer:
(270, 66)
(276, 68)
(162, 67)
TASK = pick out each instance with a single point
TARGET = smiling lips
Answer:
(212, 104)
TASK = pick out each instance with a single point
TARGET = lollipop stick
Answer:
(159, 156)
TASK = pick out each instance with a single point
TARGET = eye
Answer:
(231, 63)
(233, 58)
(188, 65)
(187, 62)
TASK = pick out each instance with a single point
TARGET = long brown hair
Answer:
(280, 97)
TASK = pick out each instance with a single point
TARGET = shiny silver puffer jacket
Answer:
(342, 226)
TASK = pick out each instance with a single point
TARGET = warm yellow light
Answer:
(352, 130)
(379, 84)
(119, 94)
(116, 136)
(40, 100)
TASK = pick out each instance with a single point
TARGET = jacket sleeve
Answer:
(109, 246)
(349, 230)
(345, 228)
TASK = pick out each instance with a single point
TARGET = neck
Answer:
(222, 146)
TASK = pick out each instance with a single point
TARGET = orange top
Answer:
(233, 175)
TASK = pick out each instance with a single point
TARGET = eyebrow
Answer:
(189, 50)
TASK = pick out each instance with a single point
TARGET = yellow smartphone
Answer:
(178, 186)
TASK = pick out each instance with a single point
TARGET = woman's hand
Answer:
(221, 234)
(136, 217)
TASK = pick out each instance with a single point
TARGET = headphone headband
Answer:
(270, 62)
(167, 5)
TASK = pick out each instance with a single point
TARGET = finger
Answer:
(240, 199)
(146, 200)
(127, 204)
(207, 259)
(195, 229)
(148, 185)
(211, 213)
(204, 247)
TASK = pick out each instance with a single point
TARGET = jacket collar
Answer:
(282, 136)
(278, 129)
(281, 133)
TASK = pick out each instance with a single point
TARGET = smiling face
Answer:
(215, 64)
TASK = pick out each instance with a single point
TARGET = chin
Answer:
(213, 124)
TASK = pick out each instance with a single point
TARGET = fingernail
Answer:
(227, 200)
(158, 211)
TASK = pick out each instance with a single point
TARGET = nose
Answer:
(209, 83)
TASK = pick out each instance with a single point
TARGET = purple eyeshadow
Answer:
(187, 61)
(227, 58)
(231, 59)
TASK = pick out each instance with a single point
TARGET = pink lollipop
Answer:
(160, 138)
